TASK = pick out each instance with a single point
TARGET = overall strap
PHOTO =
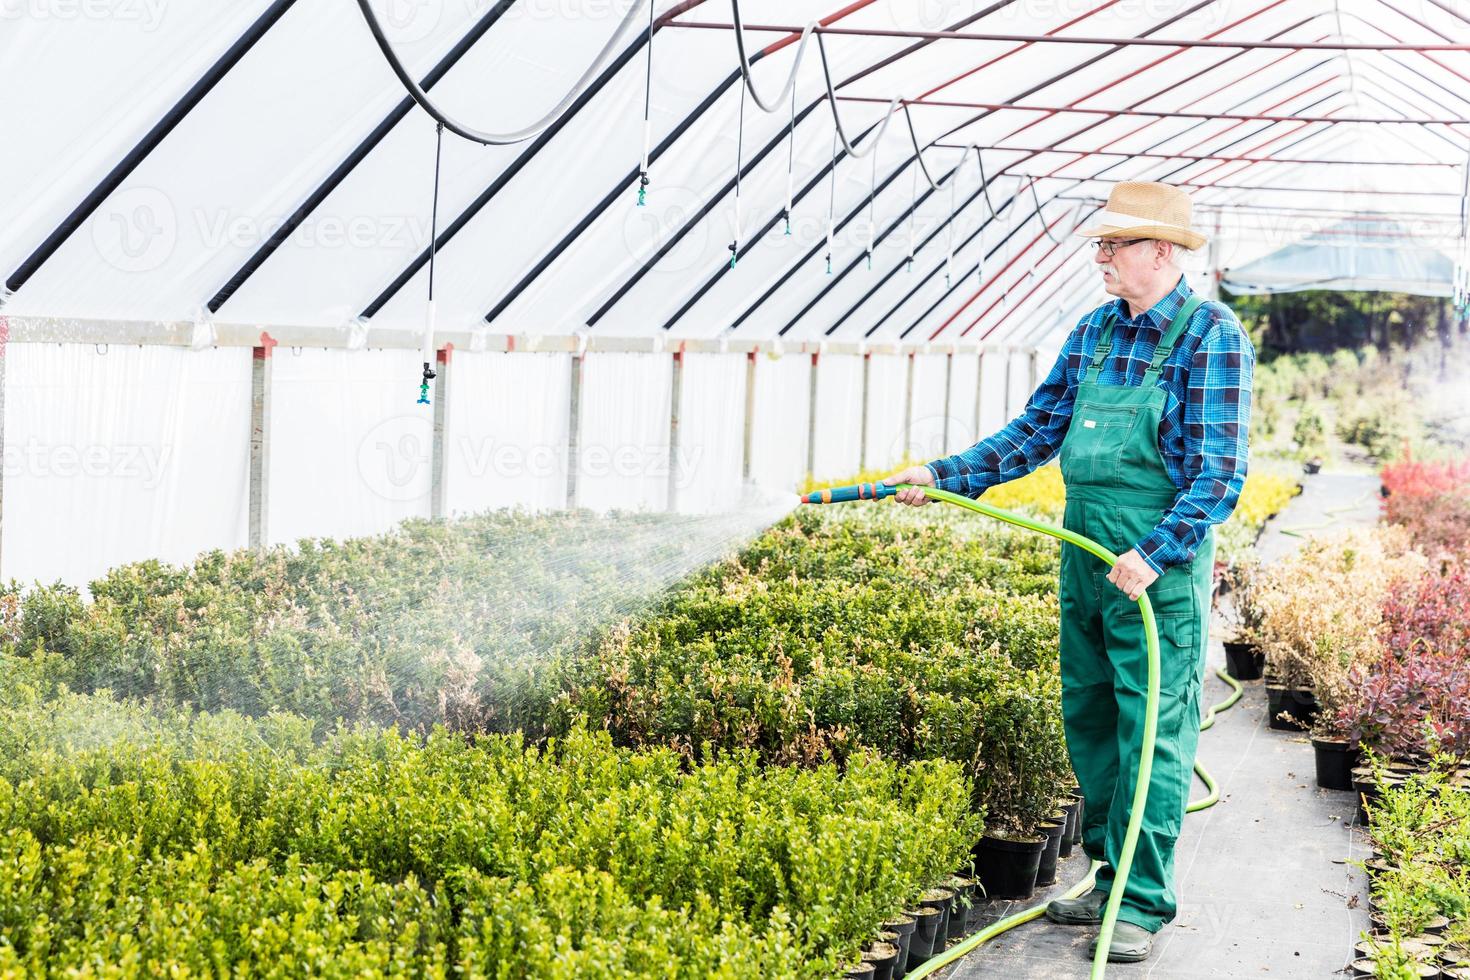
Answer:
(1171, 336)
(1100, 353)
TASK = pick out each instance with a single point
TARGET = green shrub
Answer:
(220, 844)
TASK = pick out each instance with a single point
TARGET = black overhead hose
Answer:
(478, 136)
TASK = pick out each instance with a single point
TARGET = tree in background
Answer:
(1326, 320)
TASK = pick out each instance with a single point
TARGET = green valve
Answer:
(424, 393)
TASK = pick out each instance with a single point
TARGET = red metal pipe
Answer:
(825, 22)
(1049, 39)
(1145, 67)
(1268, 187)
(1244, 117)
(1036, 150)
(1021, 47)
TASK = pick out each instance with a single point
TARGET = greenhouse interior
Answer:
(559, 489)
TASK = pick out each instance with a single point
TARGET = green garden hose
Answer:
(877, 491)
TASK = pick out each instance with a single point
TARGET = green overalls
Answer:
(1117, 492)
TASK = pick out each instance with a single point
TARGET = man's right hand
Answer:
(912, 496)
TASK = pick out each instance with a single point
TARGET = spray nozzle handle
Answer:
(855, 491)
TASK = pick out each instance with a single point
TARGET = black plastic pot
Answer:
(1335, 761)
(1007, 868)
(942, 899)
(1244, 661)
(1300, 702)
(863, 971)
(1046, 868)
(1366, 791)
(959, 913)
(921, 943)
(1073, 811)
(882, 956)
(1076, 832)
(903, 927)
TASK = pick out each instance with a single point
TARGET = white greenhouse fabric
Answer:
(839, 429)
(886, 436)
(349, 452)
(120, 456)
(623, 446)
(779, 439)
(507, 438)
(711, 433)
(965, 374)
(285, 116)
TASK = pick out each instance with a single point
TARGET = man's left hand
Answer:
(1132, 575)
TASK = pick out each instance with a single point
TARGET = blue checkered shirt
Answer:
(1202, 437)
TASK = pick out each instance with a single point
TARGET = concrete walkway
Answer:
(1264, 890)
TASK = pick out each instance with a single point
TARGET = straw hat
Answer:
(1138, 209)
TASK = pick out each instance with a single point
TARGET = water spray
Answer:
(879, 491)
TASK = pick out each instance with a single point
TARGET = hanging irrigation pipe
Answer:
(643, 178)
(789, 86)
(1037, 200)
(739, 153)
(427, 347)
(878, 491)
(487, 138)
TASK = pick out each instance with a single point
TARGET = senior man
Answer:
(1149, 406)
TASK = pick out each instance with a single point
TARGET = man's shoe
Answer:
(1130, 943)
(1083, 911)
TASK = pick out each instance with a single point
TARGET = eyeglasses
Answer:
(1110, 248)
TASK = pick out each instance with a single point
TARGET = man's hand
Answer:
(1132, 575)
(912, 495)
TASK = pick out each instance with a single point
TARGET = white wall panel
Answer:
(507, 444)
(711, 432)
(349, 445)
(839, 415)
(113, 457)
(623, 447)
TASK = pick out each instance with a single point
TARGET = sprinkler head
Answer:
(734, 253)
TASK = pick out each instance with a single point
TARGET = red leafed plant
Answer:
(1438, 523)
(1407, 698)
(1425, 478)
(1433, 610)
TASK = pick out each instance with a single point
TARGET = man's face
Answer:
(1130, 266)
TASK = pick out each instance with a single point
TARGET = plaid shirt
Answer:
(1202, 436)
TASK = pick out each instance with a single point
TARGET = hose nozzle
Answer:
(856, 491)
